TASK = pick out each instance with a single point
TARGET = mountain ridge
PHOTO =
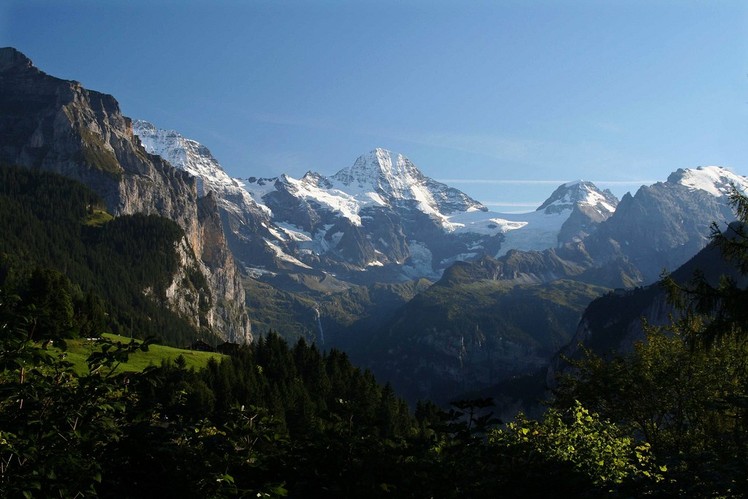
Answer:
(58, 126)
(579, 192)
(381, 218)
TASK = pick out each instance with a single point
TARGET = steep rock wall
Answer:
(56, 125)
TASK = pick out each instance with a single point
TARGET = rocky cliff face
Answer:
(56, 125)
(661, 227)
(244, 222)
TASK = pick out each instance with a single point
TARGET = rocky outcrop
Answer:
(587, 206)
(244, 222)
(228, 311)
(56, 125)
(661, 227)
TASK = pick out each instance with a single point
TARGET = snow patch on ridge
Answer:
(539, 231)
(194, 158)
(335, 200)
(294, 233)
(580, 193)
(715, 180)
(485, 223)
(281, 255)
(420, 261)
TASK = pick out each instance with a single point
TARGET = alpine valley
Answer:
(411, 277)
(426, 286)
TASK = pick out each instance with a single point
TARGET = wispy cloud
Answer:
(291, 162)
(509, 149)
(499, 181)
(514, 204)
(514, 149)
(497, 147)
(495, 181)
(541, 154)
(624, 182)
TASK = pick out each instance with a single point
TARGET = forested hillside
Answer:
(66, 257)
(272, 421)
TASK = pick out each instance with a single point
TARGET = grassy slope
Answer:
(79, 349)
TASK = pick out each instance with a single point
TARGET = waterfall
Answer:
(319, 326)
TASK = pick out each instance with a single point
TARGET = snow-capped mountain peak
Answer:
(366, 167)
(196, 159)
(380, 170)
(183, 153)
(579, 193)
(396, 179)
(715, 180)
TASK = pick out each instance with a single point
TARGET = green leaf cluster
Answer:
(577, 451)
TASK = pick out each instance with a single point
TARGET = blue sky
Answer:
(502, 99)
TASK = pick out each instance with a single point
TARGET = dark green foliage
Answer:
(304, 387)
(89, 278)
(272, 420)
(721, 304)
(574, 453)
(55, 426)
(48, 298)
(687, 403)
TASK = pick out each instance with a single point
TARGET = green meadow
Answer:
(79, 349)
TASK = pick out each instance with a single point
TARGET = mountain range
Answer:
(381, 217)
(509, 289)
(414, 278)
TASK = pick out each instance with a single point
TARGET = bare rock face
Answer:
(245, 224)
(229, 313)
(56, 125)
(660, 227)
